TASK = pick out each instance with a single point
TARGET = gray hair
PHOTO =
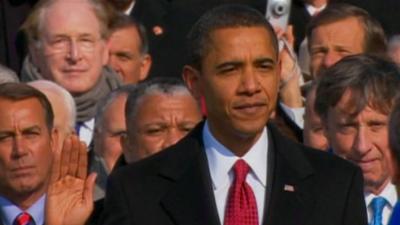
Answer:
(166, 86)
(373, 81)
(105, 102)
(47, 86)
(33, 24)
(394, 40)
(7, 75)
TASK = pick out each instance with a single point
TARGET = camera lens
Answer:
(279, 8)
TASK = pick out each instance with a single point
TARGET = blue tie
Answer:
(78, 127)
(377, 205)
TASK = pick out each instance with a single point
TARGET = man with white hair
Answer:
(67, 45)
(63, 106)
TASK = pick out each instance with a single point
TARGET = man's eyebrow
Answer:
(32, 128)
(27, 129)
(264, 60)
(229, 63)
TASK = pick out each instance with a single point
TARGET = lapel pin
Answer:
(157, 30)
(288, 187)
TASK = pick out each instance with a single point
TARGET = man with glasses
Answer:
(67, 45)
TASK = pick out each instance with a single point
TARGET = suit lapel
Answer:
(190, 201)
(291, 197)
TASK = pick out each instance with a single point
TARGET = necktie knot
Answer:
(241, 169)
(23, 219)
(377, 205)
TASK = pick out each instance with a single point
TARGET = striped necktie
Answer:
(23, 219)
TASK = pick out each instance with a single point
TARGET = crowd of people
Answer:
(199, 112)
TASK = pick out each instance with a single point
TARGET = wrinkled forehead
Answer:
(69, 18)
(219, 36)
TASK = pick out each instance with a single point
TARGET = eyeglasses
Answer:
(65, 44)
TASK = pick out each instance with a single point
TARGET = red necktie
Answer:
(241, 208)
(22, 219)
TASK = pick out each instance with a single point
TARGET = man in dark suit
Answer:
(354, 100)
(234, 65)
(27, 140)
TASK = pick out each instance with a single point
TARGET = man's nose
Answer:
(173, 136)
(19, 148)
(249, 83)
(330, 59)
(113, 62)
(74, 52)
(362, 142)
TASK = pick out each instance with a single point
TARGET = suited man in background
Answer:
(354, 100)
(234, 64)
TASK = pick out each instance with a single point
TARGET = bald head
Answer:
(62, 103)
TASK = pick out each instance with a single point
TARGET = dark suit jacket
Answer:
(174, 187)
(166, 48)
(12, 46)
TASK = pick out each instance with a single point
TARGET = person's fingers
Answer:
(83, 161)
(55, 171)
(89, 189)
(279, 32)
(74, 156)
(289, 35)
(65, 156)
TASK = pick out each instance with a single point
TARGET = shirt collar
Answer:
(9, 211)
(220, 159)
(312, 10)
(389, 193)
(130, 8)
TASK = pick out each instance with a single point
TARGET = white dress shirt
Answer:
(390, 194)
(295, 114)
(312, 10)
(130, 8)
(86, 131)
(220, 162)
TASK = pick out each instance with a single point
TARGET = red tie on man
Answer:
(23, 219)
(241, 208)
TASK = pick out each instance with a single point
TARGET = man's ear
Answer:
(55, 139)
(193, 81)
(145, 66)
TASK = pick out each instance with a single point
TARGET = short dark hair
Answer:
(21, 91)
(121, 21)
(374, 37)
(225, 16)
(373, 81)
